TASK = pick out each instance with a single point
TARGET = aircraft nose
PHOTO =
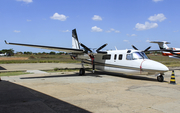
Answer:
(150, 65)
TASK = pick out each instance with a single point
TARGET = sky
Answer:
(120, 23)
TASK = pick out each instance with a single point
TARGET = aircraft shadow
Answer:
(15, 98)
(1, 68)
(134, 77)
(65, 75)
(98, 74)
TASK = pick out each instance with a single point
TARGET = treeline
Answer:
(10, 52)
(41, 53)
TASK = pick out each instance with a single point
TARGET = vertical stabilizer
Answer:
(75, 42)
(162, 44)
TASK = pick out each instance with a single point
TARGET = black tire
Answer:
(160, 78)
(82, 71)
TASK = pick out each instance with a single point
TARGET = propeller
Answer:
(85, 47)
(91, 55)
(101, 47)
(134, 47)
(144, 50)
(147, 49)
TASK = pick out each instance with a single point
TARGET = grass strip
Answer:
(13, 73)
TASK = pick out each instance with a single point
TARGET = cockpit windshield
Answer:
(139, 55)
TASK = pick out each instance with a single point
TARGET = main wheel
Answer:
(160, 78)
(82, 71)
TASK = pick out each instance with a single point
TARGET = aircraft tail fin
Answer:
(162, 44)
(75, 42)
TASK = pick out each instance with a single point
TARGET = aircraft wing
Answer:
(68, 50)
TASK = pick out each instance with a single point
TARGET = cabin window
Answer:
(128, 57)
(120, 57)
(115, 57)
(106, 57)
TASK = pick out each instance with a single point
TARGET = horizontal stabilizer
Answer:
(164, 42)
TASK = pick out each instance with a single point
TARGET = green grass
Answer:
(13, 73)
(41, 59)
(170, 62)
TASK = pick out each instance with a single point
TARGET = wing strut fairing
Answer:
(68, 50)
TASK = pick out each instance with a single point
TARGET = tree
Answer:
(9, 52)
(52, 53)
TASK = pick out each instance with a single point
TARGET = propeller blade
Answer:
(134, 47)
(85, 47)
(147, 49)
(101, 47)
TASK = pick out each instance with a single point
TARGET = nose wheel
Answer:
(160, 78)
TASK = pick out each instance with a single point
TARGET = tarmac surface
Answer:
(67, 92)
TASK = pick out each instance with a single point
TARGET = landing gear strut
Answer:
(160, 78)
(82, 70)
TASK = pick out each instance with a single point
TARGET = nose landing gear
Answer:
(160, 78)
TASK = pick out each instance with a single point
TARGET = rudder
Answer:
(75, 42)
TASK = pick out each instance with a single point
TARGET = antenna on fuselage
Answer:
(116, 48)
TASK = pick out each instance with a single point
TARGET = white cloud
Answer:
(28, 20)
(126, 41)
(97, 18)
(159, 17)
(176, 31)
(16, 31)
(111, 30)
(116, 31)
(26, 1)
(145, 26)
(148, 41)
(131, 35)
(65, 31)
(157, 0)
(57, 16)
(96, 29)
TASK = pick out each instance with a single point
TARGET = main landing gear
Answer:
(82, 70)
(160, 78)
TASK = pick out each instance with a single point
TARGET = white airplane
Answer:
(131, 62)
(3, 54)
(167, 51)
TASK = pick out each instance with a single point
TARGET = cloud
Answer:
(176, 31)
(113, 30)
(65, 31)
(16, 31)
(131, 35)
(26, 1)
(126, 41)
(96, 29)
(159, 17)
(147, 25)
(57, 16)
(28, 20)
(97, 18)
(157, 0)
(148, 41)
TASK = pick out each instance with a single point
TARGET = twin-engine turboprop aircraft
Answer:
(134, 62)
(167, 51)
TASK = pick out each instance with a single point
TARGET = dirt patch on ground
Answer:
(13, 58)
